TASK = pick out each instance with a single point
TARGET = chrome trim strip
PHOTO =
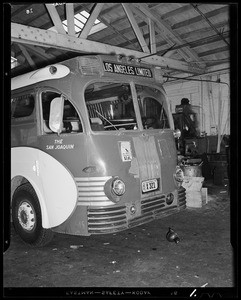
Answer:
(89, 179)
(91, 191)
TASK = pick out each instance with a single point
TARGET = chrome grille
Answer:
(112, 219)
(106, 220)
(182, 198)
(91, 191)
(153, 208)
(151, 215)
(153, 204)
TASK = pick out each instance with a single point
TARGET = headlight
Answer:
(114, 188)
(118, 187)
(179, 176)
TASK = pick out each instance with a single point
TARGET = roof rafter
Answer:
(143, 23)
(48, 24)
(70, 18)
(136, 28)
(214, 51)
(110, 9)
(55, 18)
(45, 38)
(188, 54)
(176, 11)
(27, 56)
(158, 30)
(192, 44)
(152, 36)
(39, 51)
(102, 19)
(193, 20)
(210, 23)
(91, 20)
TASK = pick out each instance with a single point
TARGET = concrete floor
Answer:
(140, 257)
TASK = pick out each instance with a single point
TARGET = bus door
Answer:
(68, 145)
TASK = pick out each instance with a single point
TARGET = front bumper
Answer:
(113, 219)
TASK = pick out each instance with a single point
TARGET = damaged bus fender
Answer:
(53, 183)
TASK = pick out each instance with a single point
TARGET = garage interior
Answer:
(194, 45)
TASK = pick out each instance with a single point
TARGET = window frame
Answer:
(133, 84)
(109, 81)
(53, 90)
(32, 115)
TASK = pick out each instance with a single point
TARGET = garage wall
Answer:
(212, 100)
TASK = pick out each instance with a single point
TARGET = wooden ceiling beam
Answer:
(164, 16)
(55, 18)
(47, 38)
(159, 31)
(195, 6)
(194, 20)
(183, 36)
(212, 70)
(177, 11)
(116, 31)
(136, 28)
(218, 68)
(215, 51)
(188, 54)
(27, 56)
(203, 30)
(91, 20)
(110, 9)
(121, 32)
(152, 36)
(70, 18)
(192, 44)
(40, 52)
(169, 53)
(48, 24)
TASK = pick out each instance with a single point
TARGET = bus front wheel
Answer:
(27, 218)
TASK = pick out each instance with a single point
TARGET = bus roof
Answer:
(91, 65)
(54, 71)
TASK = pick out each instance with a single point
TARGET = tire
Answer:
(27, 217)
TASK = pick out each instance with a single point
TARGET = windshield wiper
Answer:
(161, 118)
(106, 119)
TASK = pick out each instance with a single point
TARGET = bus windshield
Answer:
(110, 107)
(152, 107)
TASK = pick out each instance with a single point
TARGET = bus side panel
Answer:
(53, 183)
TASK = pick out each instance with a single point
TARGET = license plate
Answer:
(149, 185)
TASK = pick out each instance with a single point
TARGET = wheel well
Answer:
(16, 182)
(21, 180)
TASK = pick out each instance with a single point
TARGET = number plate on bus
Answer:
(149, 185)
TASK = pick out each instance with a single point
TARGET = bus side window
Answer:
(22, 106)
(71, 120)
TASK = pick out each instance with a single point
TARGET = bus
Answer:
(92, 149)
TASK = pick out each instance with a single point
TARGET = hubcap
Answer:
(26, 216)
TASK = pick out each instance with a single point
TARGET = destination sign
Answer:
(127, 69)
